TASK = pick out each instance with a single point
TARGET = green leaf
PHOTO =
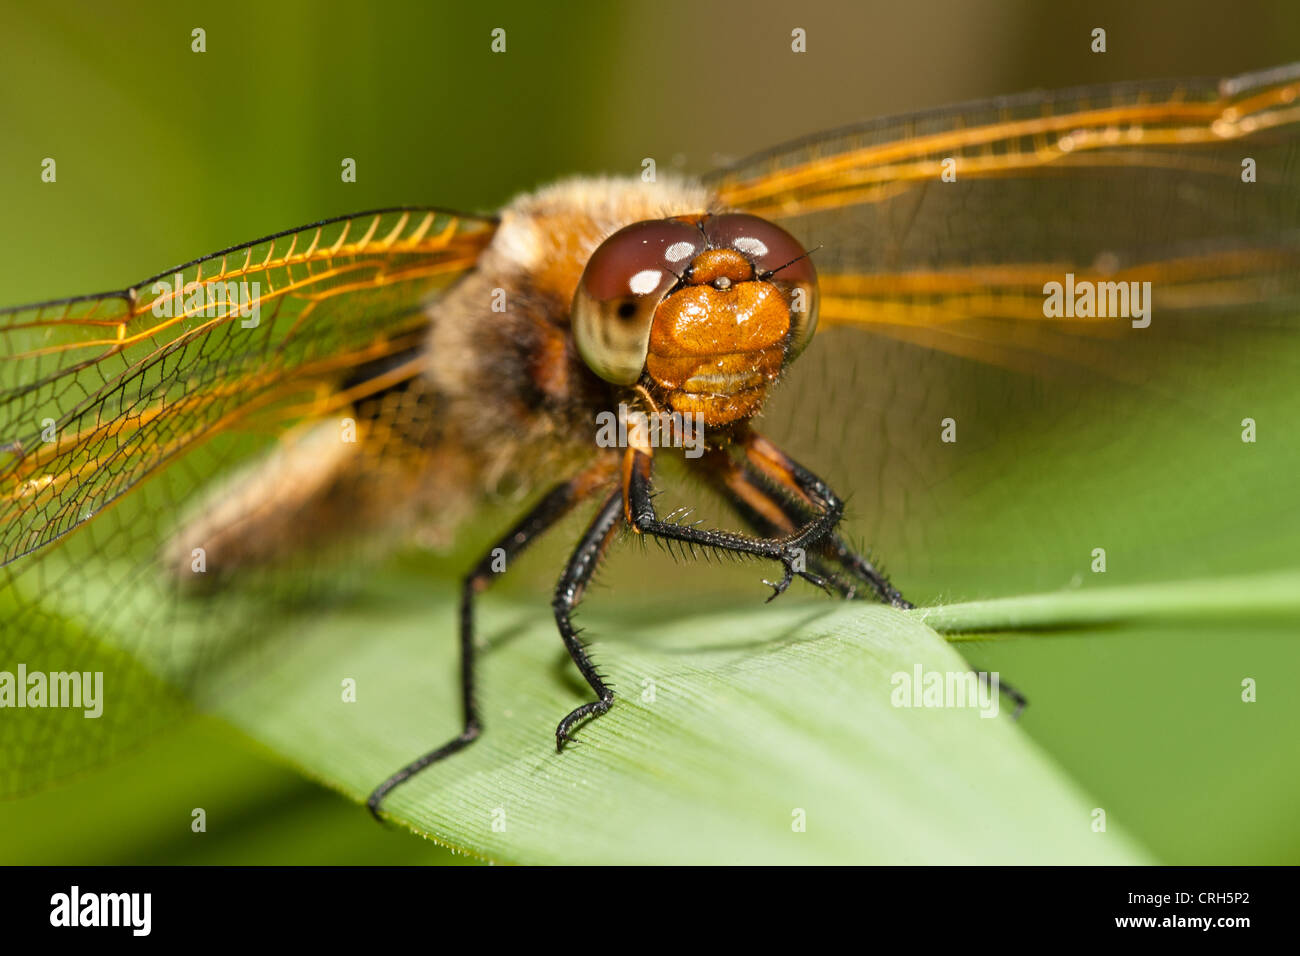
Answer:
(758, 716)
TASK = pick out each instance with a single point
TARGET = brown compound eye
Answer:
(778, 258)
(625, 280)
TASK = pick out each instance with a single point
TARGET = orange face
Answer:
(717, 343)
(705, 312)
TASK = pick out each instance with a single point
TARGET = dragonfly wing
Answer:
(196, 369)
(944, 228)
(97, 391)
(959, 417)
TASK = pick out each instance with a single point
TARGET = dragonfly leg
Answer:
(568, 592)
(554, 506)
(772, 508)
(775, 493)
(1014, 695)
(636, 506)
(773, 511)
(765, 512)
(860, 567)
(789, 549)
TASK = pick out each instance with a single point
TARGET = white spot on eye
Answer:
(750, 246)
(645, 281)
(679, 251)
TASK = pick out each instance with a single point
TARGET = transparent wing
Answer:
(96, 392)
(943, 228)
(958, 415)
(196, 369)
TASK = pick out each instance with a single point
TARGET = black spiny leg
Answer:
(765, 512)
(557, 503)
(769, 469)
(568, 592)
(771, 506)
(789, 549)
(857, 564)
(1017, 698)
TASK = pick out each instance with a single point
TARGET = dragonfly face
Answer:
(709, 308)
(407, 363)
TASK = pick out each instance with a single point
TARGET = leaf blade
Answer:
(755, 714)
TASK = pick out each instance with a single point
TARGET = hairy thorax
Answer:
(501, 351)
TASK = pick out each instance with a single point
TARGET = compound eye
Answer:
(625, 280)
(778, 258)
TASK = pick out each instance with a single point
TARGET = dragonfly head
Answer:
(706, 311)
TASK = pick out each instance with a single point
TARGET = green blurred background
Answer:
(164, 154)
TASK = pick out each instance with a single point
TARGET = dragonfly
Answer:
(179, 449)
